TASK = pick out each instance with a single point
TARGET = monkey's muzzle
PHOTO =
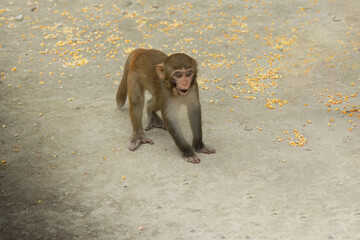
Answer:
(183, 92)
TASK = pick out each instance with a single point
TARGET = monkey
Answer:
(171, 81)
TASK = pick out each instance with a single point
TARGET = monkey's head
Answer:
(179, 71)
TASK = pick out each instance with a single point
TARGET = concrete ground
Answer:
(279, 87)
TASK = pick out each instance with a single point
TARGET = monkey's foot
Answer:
(136, 143)
(152, 125)
(155, 122)
(193, 159)
(206, 150)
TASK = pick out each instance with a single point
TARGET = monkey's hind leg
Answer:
(136, 106)
(154, 121)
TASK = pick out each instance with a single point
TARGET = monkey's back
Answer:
(143, 64)
(145, 60)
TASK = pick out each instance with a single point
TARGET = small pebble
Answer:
(19, 18)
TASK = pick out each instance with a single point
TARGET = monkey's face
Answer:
(182, 79)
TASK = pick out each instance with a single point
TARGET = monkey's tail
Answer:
(122, 89)
(122, 92)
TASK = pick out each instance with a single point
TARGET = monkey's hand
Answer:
(134, 144)
(193, 159)
(206, 150)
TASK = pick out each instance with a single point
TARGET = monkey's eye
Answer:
(178, 74)
(189, 73)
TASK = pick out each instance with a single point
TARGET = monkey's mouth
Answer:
(183, 92)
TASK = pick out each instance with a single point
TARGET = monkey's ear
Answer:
(160, 70)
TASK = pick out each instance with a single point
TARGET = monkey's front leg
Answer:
(137, 139)
(194, 114)
(175, 132)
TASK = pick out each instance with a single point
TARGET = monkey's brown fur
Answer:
(171, 80)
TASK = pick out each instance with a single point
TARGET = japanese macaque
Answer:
(171, 80)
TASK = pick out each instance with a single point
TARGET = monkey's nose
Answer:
(184, 83)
